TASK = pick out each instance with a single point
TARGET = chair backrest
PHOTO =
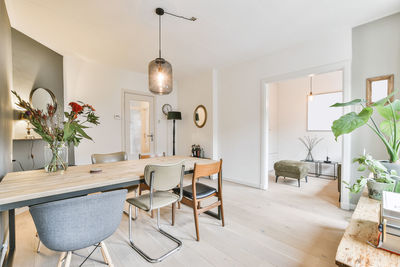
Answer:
(148, 156)
(109, 157)
(202, 170)
(165, 177)
(76, 223)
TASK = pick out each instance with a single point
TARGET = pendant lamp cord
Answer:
(311, 85)
(159, 36)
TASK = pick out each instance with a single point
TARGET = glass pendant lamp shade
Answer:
(160, 76)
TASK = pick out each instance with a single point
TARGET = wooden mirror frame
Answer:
(390, 88)
(53, 97)
(205, 116)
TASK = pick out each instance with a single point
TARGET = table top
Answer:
(353, 249)
(28, 185)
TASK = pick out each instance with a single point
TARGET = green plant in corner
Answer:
(380, 173)
(388, 130)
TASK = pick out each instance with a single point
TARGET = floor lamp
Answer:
(174, 115)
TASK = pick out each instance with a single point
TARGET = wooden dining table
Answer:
(27, 188)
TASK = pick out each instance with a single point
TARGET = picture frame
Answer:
(379, 87)
(320, 115)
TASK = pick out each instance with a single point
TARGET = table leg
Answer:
(334, 171)
(213, 214)
(316, 168)
(8, 261)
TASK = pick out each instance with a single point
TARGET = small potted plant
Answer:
(380, 179)
(388, 130)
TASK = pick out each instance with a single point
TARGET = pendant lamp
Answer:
(310, 96)
(160, 70)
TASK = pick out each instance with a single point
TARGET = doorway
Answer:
(345, 67)
(138, 124)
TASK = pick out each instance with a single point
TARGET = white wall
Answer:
(376, 51)
(195, 90)
(102, 87)
(273, 129)
(291, 118)
(239, 100)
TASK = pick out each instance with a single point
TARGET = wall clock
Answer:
(166, 108)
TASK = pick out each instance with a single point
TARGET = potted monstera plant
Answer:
(388, 128)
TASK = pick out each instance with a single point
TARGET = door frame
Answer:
(135, 92)
(345, 67)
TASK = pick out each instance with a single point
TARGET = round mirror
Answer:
(41, 97)
(200, 116)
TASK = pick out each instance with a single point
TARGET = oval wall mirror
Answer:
(200, 116)
(41, 97)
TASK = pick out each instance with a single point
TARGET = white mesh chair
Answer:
(161, 179)
(77, 223)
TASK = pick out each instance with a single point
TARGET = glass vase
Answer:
(56, 157)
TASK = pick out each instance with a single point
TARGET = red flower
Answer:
(76, 107)
(89, 106)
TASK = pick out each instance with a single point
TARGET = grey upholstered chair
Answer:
(161, 180)
(77, 223)
(109, 157)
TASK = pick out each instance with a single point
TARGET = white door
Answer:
(139, 124)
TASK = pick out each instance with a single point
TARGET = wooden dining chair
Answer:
(144, 187)
(196, 192)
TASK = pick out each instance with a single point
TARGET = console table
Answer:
(353, 249)
(318, 168)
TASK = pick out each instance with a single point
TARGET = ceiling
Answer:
(123, 33)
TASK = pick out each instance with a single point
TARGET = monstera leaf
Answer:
(351, 121)
(351, 103)
(389, 110)
(387, 128)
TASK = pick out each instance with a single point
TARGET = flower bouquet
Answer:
(57, 131)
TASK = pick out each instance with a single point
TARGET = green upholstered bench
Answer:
(292, 169)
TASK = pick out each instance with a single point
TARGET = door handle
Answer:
(151, 137)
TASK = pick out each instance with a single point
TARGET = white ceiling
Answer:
(123, 33)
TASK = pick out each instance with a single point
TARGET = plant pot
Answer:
(375, 189)
(396, 167)
(391, 166)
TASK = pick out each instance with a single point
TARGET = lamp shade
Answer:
(174, 115)
(160, 77)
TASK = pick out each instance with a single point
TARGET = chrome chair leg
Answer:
(136, 210)
(144, 255)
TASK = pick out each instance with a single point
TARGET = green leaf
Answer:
(387, 128)
(384, 100)
(68, 131)
(386, 111)
(351, 121)
(82, 132)
(351, 103)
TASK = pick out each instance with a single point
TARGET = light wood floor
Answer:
(283, 226)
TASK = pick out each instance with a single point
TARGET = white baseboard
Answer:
(241, 182)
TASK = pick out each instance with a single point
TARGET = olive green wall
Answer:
(34, 65)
